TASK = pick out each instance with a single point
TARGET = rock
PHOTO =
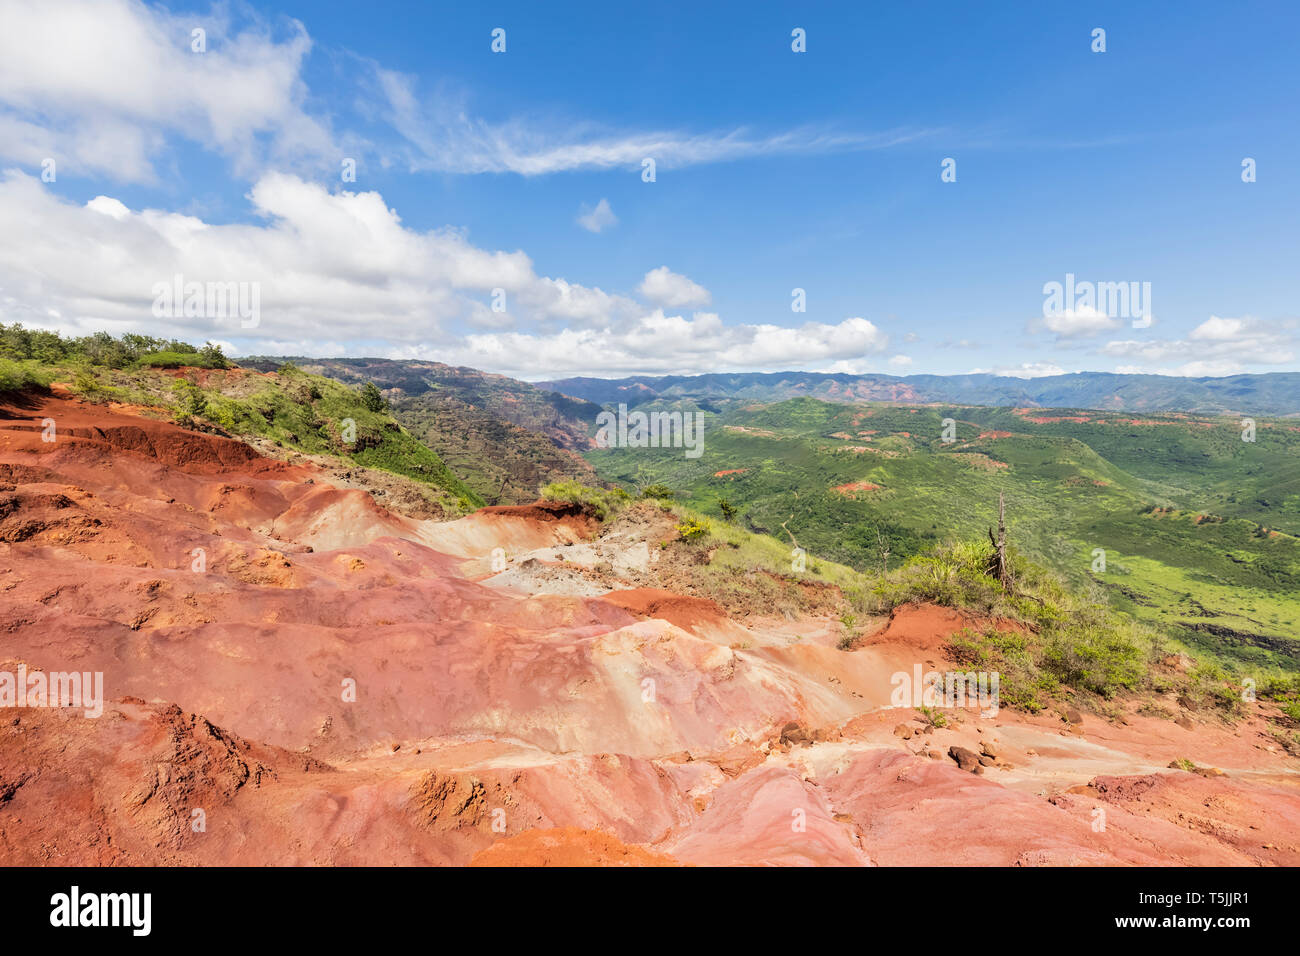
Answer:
(989, 748)
(1184, 723)
(985, 760)
(794, 733)
(1073, 715)
(966, 759)
(738, 759)
(904, 731)
(934, 755)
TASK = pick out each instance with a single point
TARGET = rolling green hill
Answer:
(1196, 537)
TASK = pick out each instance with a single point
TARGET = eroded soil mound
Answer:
(294, 673)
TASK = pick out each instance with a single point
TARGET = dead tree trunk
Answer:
(1001, 567)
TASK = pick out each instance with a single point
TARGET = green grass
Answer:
(602, 503)
(1219, 573)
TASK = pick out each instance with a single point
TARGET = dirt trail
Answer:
(321, 680)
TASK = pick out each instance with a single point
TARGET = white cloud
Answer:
(1080, 323)
(1218, 346)
(901, 361)
(596, 218)
(668, 344)
(443, 136)
(327, 264)
(1023, 370)
(664, 287)
(339, 273)
(1216, 329)
(100, 85)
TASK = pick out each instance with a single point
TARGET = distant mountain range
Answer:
(1274, 393)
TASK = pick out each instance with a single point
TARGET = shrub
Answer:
(16, 375)
(191, 402)
(932, 716)
(693, 529)
(602, 503)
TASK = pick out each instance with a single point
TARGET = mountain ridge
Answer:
(1269, 393)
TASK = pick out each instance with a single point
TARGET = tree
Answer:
(372, 398)
(727, 508)
(213, 356)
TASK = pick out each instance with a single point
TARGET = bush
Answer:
(191, 402)
(600, 502)
(662, 492)
(16, 375)
(693, 529)
(1022, 682)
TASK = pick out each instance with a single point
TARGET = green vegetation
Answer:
(372, 398)
(197, 386)
(1042, 635)
(16, 375)
(693, 529)
(601, 503)
(1170, 518)
(933, 717)
(102, 349)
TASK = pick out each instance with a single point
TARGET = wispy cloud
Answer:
(443, 136)
(597, 218)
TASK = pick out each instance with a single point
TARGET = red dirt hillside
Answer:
(294, 674)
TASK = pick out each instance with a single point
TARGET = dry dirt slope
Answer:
(296, 675)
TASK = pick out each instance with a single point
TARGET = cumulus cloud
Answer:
(339, 273)
(1080, 323)
(101, 85)
(1218, 346)
(337, 264)
(598, 217)
(669, 344)
(664, 287)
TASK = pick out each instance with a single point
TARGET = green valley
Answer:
(1172, 517)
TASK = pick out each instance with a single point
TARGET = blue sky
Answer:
(776, 170)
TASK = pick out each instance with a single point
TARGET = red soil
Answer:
(569, 846)
(686, 612)
(850, 488)
(329, 687)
